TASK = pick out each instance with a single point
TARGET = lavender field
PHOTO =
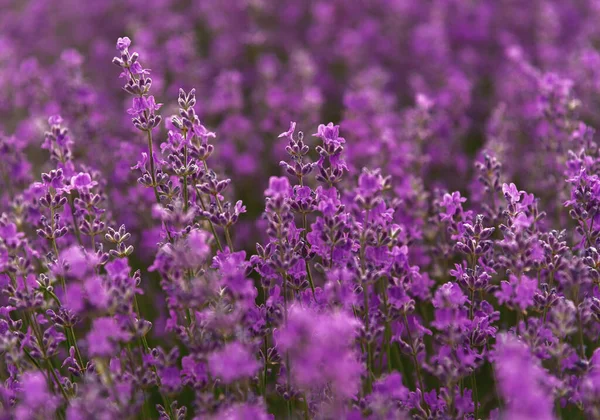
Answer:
(299, 209)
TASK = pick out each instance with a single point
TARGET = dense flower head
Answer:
(518, 291)
(184, 248)
(520, 374)
(233, 362)
(332, 362)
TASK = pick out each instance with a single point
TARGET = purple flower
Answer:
(36, 398)
(453, 204)
(511, 192)
(144, 104)
(518, 291)
(370, 183)
(278, 187)
(233, 362)
(170, 378)
(104, 337)
(523, 383)
(320, 346)
(241, 411)
(290, 133)
(193, 372)
(330, 134)
(123, 43)
(78, 262)
(83, 181)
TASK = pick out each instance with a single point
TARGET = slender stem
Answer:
(387, 331)
(310, 278)
(304, 233)
(57, 380)
(475, 395)
(545, 313)
(36, 363)
(558, 408)
(50, 368)
(473, 379)
(143, 343)
(212, 227)
(228, 239)
(152, 168)
(306, 409)
(493, 194)
(265, 350)
(331, 249)
(145, 410)
(185, 181)
(580, 327)
(365, 287)
(225, 227)
(68, 329)
(288, 367)
(471, 315)
(71, 331)
(150, 148)
(415, 360)
(398, 359)
(55, 247)
(495, 381)
(285, 300)
(43, 371)
(579, 323)
(75, 223)
(369, 352)
(472, 305)
(191, 316)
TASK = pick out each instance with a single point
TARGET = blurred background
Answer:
(258, 64)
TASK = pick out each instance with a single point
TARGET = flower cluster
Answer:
(435, 254)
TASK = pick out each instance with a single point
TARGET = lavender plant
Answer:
(433, 255)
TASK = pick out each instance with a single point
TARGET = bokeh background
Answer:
(257, 65)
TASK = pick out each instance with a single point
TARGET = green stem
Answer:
(365, 287)
(228, 239)
(473, 379)
(369, 355)
(68, 329)
(152, 168)
(579, 323)
(495, 381)
(58, 383)
(265, 349)
(146, 350)
(415, 361)
(38, 334)
(225, 228)
(212, 227)
(475, 395)
(75, 223)
(61, 279)
(387, 331)
(70, 332)
(310, 278)
(288, 367)
(185, 182)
